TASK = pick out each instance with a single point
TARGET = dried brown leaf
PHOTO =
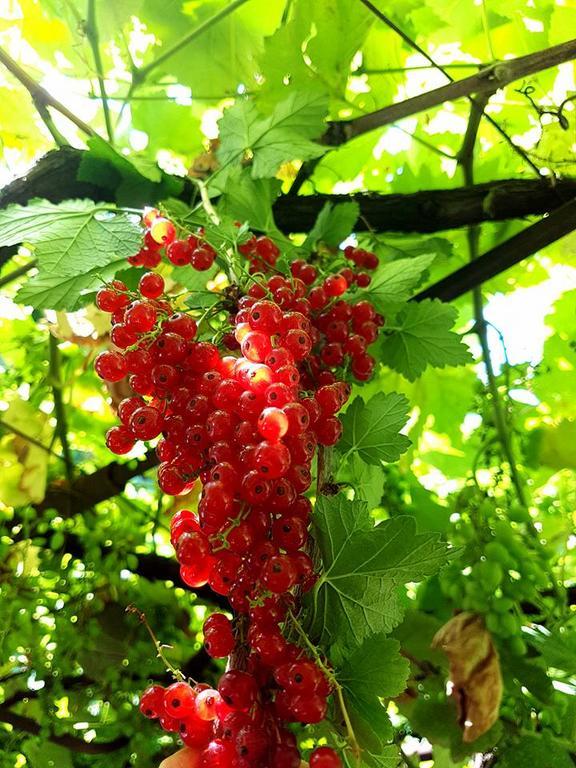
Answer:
(474, 672)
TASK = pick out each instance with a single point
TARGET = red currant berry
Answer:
(179, 700)
(273, 424)
(120, 440)
(110, 366)
(324, 757)
(238, 689)
(152, 701)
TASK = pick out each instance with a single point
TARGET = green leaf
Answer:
(71, 238)
(394, 282)
(367, 480)
(372, 429)
(133, 181)
(375, 669)
(248, 199)
(422, 337)
(356, 597)
(334, 224)
(370, 722)
(52, 291)
(284, 135)
(558, 649)
(387, 758)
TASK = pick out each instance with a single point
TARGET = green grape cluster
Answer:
(503, 567)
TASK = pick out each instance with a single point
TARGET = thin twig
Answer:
(16, 273)
(91, 29)
(414, 45)
(141, 73)
(418, 68)
(11, 428)
(352, 740)
(40, 96)
(176, 673)
(59, 407)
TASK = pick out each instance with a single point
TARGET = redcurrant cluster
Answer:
(228, 724)
(248, 425)
(262, 253)
(160, 235)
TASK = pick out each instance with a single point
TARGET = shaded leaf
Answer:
(422, 336)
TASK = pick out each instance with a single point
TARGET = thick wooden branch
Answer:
(433, 210)
(54, 178)
(486, 81)
(88, 490)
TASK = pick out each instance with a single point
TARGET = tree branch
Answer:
(89, 490)
(40, 95)
(548, 230)
(54, 178)
(28, 725)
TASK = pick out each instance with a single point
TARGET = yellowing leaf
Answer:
(23, 465)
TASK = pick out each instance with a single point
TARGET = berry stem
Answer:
(176, 673)
(352, 740)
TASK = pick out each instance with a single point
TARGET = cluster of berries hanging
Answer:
(246, 418)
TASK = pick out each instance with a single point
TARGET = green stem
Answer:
(176, 673)
(46, 118)
(93, 38)
(466, 162)
(401, 70)
(140, 74)
(59, 407)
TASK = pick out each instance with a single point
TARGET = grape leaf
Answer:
(334, 224)
(393, 282)
(71, 238)
(422, 337)
(356, 597)
(53, 291)
(284, 135)
(372, 429)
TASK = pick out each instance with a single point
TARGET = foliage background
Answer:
(71, 661)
